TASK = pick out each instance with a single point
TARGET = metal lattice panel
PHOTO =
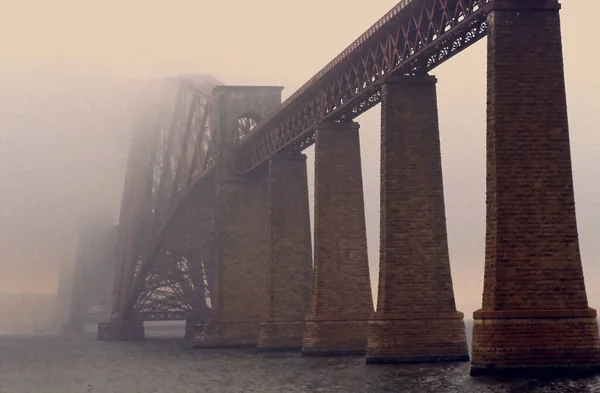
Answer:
(174, 275)
(174, 149)
(414, 37)
(171, 150)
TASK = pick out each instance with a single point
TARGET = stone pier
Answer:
(535, 316)
(416, 319)
(242, 234)
(342, 302)
(242, 251)
(290, 270)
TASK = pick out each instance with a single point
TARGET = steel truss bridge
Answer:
(204, 209)
(173, 146)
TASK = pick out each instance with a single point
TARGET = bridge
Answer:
(214, 226)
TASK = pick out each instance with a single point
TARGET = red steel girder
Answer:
(412, 38)
(152, 266)
(169, 154)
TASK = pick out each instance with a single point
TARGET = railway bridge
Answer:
(214, 227)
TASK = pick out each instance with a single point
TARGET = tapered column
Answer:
(416, 318)
(238, 280)
(290, 269)
(342, 302)
(242, 237)
(535, 315)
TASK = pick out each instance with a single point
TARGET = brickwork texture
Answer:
(416, 318)
(533, 263)
(290, 269)
(342, 301)
(241, 227)
(242, 251)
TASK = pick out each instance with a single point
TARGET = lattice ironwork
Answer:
(246, 124)
(414, 37)
(184, 148)
(175, 150)
(171, 289)
(171, 150)
(179, 281)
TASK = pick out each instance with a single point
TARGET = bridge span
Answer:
(214, 225)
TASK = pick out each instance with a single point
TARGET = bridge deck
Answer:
(414, 37)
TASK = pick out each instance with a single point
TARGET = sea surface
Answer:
(55, 364)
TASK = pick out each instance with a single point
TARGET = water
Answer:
(80, 365)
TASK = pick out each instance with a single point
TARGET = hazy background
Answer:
(65, 111)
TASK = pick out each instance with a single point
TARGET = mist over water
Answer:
(54, 365)
(71, 81)
(66, 111)
(63, 148)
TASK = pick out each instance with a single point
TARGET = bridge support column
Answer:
(535, 316)
(121, 331)
(291, 254)
(342, 301)
(242, 236)
(416, 319)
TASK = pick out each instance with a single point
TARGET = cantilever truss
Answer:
(170, 153)
(414, 37)
(172, 291)
(172, 150)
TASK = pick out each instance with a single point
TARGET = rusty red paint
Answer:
(414, 37)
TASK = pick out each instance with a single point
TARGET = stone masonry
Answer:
(416, 318)
(242, 253)
(342, 301)
(241, 226)
(291, 254)
(535, 315)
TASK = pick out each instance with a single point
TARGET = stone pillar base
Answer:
(280, 335)
(121, 331)
(536, 343)
(225, 335)
(330, 337)
(417, 338)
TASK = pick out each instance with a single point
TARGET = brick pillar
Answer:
(291, 254)
(416, 319)
(342, 301)
(535, 315)
(242, 249)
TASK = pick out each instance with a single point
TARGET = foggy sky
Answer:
(61, 142)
